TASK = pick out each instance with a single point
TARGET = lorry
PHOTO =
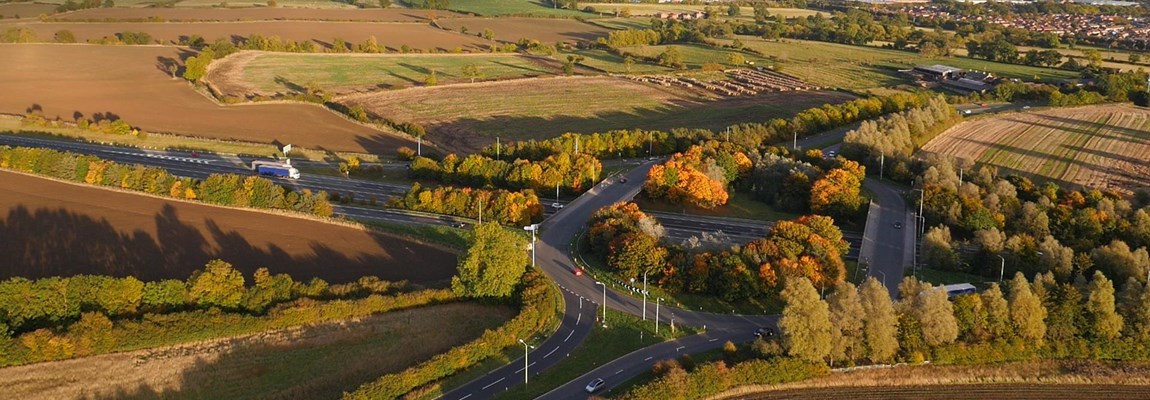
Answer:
(280, 170)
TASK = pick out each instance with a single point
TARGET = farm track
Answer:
(1101, 147)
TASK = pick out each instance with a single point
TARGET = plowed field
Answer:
(52, 228)
(128, 82)
(1103, 147)
(25, 10)
(249, 14)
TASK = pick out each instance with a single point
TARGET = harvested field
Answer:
(465, 117)
(262, 73)
(25, 10)
(1102, 147)
(542, 29)
(1071, 379)
(127, 82)
(66, 229)
(391, 35)
(249, 14)
(334, 358)
(647, 9)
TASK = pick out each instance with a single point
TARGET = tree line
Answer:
(573, 173)
(229, 190)
(506, 207)
(63, 317)
(632, 243)
(891, 140)
(1025, 320)
(637, 143)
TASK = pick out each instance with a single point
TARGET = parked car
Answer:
(595, 385)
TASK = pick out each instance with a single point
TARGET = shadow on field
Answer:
(308, 362)
(46, 242)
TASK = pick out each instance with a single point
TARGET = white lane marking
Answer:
(712, 340)
(568, 336)
(619, 372)
(679, 348)
(521, 369)
(493, 383)
(464, 397)
(648, 358)
(579, 317)
(552, 351)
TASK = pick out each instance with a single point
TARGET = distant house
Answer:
(937, 72)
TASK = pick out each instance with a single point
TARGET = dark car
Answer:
(898, 225)
(765, 332)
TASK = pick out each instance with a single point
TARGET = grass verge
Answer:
(740, 205)
(624, 333)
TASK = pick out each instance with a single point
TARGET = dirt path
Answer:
(306, 362)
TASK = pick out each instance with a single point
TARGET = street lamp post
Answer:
(644, 295)
(1001, 268)
(532, 228)
(604, 305)
(525, 365)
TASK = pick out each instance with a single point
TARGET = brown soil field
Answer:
(60, 229)
(127, 82)
(1070, 379)
(391, 35)
(544, 30)
(1102, 147)
(333, 358)
(466, 117)
(25, 10)
(249, 14)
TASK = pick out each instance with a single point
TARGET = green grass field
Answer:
(862, 67)
(279, 72)
(695, 55)
(534, 8)
(336, 359)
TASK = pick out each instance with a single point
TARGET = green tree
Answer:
(880, 323)
(628, 63)
(633, 254)
(472, 71)
(384, 3)
(998, 323)
(1026, 311)
(935, 314)
(120, 296)
(196, 67)
(65, 36)
(733, 10)
(736, 59)
(847, 314)
(806, 324)
(937, 250)
(971, 318)
(671, 57)
(161, 296)
(432, 78)
(493, 264)
(1105, 323)
(218, 285)
(488, 34)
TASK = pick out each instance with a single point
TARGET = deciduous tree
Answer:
(806, 324)
(493, 264)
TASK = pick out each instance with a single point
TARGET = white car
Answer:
(595, 385)
(557, 206)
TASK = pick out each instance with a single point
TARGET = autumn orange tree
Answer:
(837, 193)
(506, 207)
(699, 176)
(573, 173)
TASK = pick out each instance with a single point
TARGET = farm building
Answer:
(937, 72)
(966, 85)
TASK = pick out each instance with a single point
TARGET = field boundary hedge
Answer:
(541, 305)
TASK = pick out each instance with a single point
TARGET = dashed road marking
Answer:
(712, 340)
(493, 383)
(618, 372)
(648, 358)
(465, 397)
(679, 348)
(568, 336)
